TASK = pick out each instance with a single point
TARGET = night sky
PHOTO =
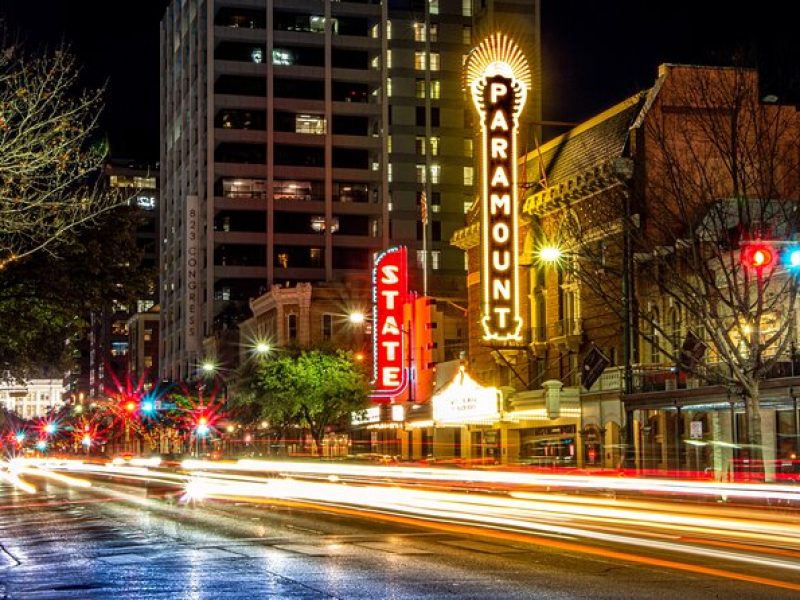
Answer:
(594, 53)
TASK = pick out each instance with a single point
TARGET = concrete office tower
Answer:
(271, 156)
(432, 144)
(297, 138)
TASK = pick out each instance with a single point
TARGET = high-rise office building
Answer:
(298, 138)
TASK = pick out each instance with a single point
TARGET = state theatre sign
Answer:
(498, 77)
(389, 299)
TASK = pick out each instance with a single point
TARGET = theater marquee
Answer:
(389, 297)
(498, 77)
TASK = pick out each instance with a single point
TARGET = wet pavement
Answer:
(119, 541)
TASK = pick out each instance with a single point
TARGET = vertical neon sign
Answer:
(389, 297)
(498, 77)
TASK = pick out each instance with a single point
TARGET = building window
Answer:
(314, 124)
(436, 202)
(469, 174)
(420, 60)
(434, 61)
(419, 32)
(466, 261)
(388, 87)
(420, 88)
(435, 257)
(436, 173)
(466, 35)
(291, 327)
(389, 144)
(376, 62)
(257, 55)
(283, 260)
(436, 89)
(388, 59)
(148, 362)
(434, 7)
(375, 32)
(419, 144)
(420, 259)
(467, 206)
(327, 327)
(420, 173)
(434, 144)
(388, 30)
(436, 231)
(434, 32)
(468, 147)
(466, 8)
(281, 56)
(315, 255)
(389, 174)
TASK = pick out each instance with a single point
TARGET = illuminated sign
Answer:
(498, 77)
(192, 273)
(389, 296)
(464, 400)
(364, 417)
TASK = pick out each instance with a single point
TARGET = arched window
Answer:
(654, 322)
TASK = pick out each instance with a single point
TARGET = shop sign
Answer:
(499, 77)
(465, 401)
(389, 296)
(364, 417)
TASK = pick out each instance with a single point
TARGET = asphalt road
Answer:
(120, 540)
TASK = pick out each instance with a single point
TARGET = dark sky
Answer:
(594, 53)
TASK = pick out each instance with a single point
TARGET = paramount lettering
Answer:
(499, 95)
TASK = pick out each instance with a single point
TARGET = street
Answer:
(134, 534)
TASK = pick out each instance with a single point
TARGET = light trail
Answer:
(648, 525)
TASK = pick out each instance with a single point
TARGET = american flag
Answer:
(423, 208)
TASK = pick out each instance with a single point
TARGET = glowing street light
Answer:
(49, 428)
(357, 317)
(202, 426)
(20, 437)
(41, 445)
(208, 367)
(550, 254)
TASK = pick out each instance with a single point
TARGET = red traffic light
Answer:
(758, 256)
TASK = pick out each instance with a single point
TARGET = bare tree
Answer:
(716, 178)
(49, 151)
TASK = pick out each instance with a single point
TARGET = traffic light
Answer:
(758, 256)
(130, 406)
(791, 257)
(202, 426)
(148, 407)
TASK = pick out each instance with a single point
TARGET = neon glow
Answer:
(464, 400)
(389, 297)
(499, 78)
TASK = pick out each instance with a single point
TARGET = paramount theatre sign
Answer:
(498, 77)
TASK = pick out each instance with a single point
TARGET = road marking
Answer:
(393, 548)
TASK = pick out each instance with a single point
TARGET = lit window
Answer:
(434, 32)
(419, 32)
(420, 145)
(420, 259)
(314, 124)
(315, 256)
(388, 87)
(388, 30)
(468, 147)
(389, 144)
(282, 57)
(389, 173)
(436, 173)
(420, 87)
(466, 261)
(436, 88)
(283, 260)
(420, 60)
(466, 8)
(434, 7)
(388, 59)
(316, 24)
(469, 175)
(435, 256)
(434, 144)
(466, 35)
(420, 173)
(376, 166)
(467, 206)
(375, 32)
(434, 61)
(376, 62)
(257, 55)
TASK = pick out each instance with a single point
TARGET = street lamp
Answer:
(357, 317)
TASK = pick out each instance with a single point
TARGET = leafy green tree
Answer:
(311, 388)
